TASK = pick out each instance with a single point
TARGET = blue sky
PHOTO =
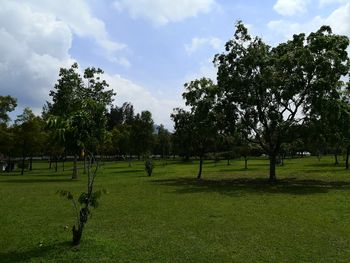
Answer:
(147, 48)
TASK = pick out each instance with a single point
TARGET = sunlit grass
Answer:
(231, 215)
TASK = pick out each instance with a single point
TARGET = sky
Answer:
(148, 49)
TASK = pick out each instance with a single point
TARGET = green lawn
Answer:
(231, 215)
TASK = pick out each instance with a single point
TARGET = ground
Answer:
(231, 215)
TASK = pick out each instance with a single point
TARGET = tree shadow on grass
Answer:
(234, 187)
(128, 171)
(36, 180)
(38, 252)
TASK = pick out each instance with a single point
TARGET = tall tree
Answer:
(163, 141)
(141, 133)
(201, 97)
(75, 98)
(28, 134)
(274, 89)
(7, 104)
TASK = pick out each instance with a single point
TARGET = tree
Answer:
(72, 100)
(182, 137)
(141, 133)
(163, 142)
(85, 129)
(28, 134)
(201, 96)
(7, 104)
(274, 89)
(121, 115)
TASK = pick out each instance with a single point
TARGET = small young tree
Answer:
(86, 128)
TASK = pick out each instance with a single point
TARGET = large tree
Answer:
(274, 89)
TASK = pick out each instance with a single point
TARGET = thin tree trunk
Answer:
(228, 161)
(56, 160)
(50, 162)
(9, 166)
(200, 167)
(31, 163)
(336, 162)
(245, 162)
(63, 160)
(347, 157)
(272, 177)
(75, 168)
(282, 160)
(23, 160)
(84, 164)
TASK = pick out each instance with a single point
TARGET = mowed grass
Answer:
(231, 215)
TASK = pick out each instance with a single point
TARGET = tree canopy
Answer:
(273, 89)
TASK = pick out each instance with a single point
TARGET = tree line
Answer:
(275, 101)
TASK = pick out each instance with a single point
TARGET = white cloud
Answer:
(291, 7)
(323, 3)
(338, 20)
(197, 43)
(142, 99)
(162, 12)
(33, 46)
(77, 15)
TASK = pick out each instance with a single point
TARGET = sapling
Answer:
(85, 201)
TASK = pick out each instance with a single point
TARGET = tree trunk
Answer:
(347, 157)
(50, 163)
(272, 177)
(245, 162)
(75, 168)
(282, 159)
(78, 231)
(84, 164)
(23, 160)
(228, 161)
(200, 167)
(56, 164)
(9, 165)
(336, 162)
(63, 160)
(31, 163)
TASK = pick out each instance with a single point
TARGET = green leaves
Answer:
(66, 194)
(7, 104)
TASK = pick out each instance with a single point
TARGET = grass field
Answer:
(231, 215)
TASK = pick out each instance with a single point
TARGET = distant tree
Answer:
(121, 115)
(201, 97)
(28, 135)
(182, 137)
(141, 134)
(163, 142)
(274, 89)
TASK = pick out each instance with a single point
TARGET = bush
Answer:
(149, 167)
